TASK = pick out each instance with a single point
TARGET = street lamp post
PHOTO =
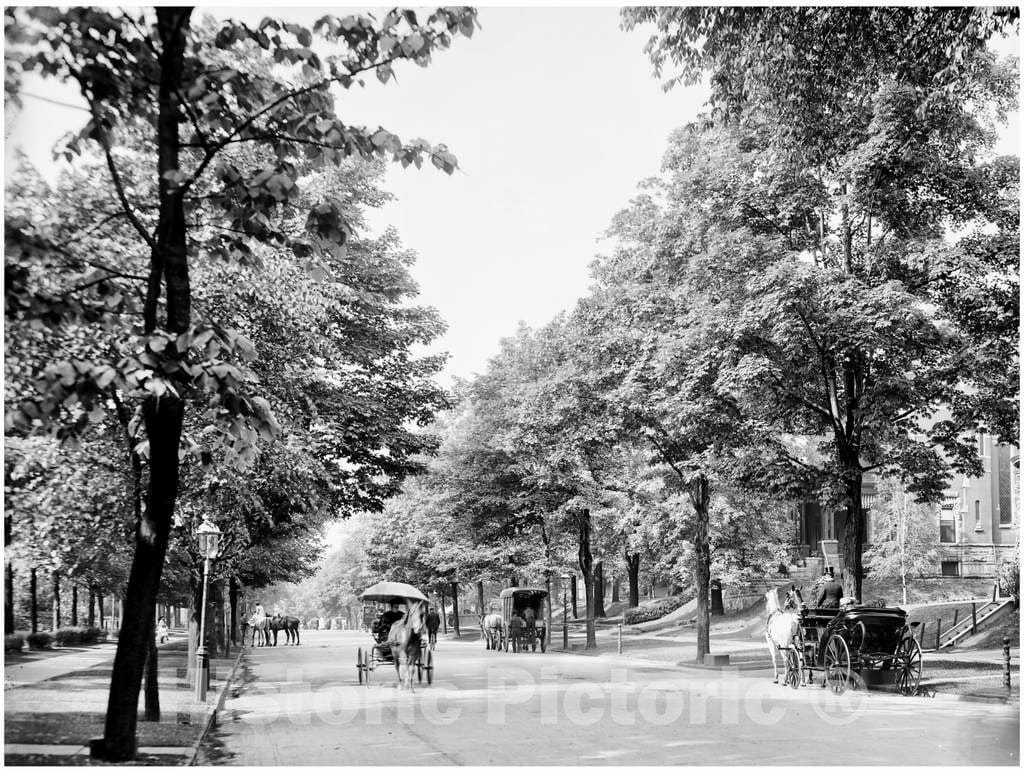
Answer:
(565, 618)
(208, 537)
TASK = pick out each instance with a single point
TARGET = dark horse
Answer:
(290, 626)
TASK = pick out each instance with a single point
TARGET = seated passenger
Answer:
(390, 617)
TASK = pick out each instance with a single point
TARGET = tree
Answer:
(905, 543)
(859, 153)
(134, 74)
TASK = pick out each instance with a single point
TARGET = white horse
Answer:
(404, 639)
(260, 624)
(491, 625)
(782, 628)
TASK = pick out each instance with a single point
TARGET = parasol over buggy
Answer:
(380, 650)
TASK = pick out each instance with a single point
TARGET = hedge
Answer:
(14, 642)
(658, 609)
(40, 640)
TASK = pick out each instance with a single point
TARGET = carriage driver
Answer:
(831, 591)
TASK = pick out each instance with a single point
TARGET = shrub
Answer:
(1009, 577)
(91, 634)
(14, 642)
(66, 636)
(658, 609)
(40, 640)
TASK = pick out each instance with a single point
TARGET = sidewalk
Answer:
(54, 705)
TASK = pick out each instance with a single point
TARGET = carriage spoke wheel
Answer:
(837, 665)
(792, 677)
(360, 666)
(430, 667)
(908, 660)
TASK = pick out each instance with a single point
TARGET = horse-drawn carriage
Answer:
(852, 645)
(521, 623)
(404, 642)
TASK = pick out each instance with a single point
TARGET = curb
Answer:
(217, 707)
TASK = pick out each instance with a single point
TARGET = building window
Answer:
(981, 443)
(950, 568)
(947, 530)
(977, 515)
(1005, 489)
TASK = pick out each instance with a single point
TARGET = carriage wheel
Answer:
(908, 658)
(793, 669)
(837, 665)
(360, 667)
(430, 668)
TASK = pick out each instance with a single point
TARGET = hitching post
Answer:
(620, 638)
(938, 632)
(1006, 661)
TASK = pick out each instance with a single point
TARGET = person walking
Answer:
(433, 622)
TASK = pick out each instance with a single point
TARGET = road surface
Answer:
(304, 706)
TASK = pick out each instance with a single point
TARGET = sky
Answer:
(554, 115)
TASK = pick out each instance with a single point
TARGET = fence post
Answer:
(1006, 661)
(995, 592)
(620, 638)
(974, 618)
(956, 614)
(938, 632)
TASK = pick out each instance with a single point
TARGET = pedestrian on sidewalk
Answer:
(162, 633)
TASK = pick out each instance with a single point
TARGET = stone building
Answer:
(977, 523)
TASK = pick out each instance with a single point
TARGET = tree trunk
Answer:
(163, 427)
(615, 589)
(9, 624)
(480, 597)
(599, 590)
(547, 607)
(152, 713)
(853, 528)
(56, 602)
(233, 600)
(455, 608)
(633, 570)
(99, 606)
(586, 562)
(572, 591)
(444, 613)
(74, 605)
(34, 601)
(699, 496)
(162, 417)
(195, 602)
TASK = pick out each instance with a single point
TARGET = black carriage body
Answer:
(871, 633)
